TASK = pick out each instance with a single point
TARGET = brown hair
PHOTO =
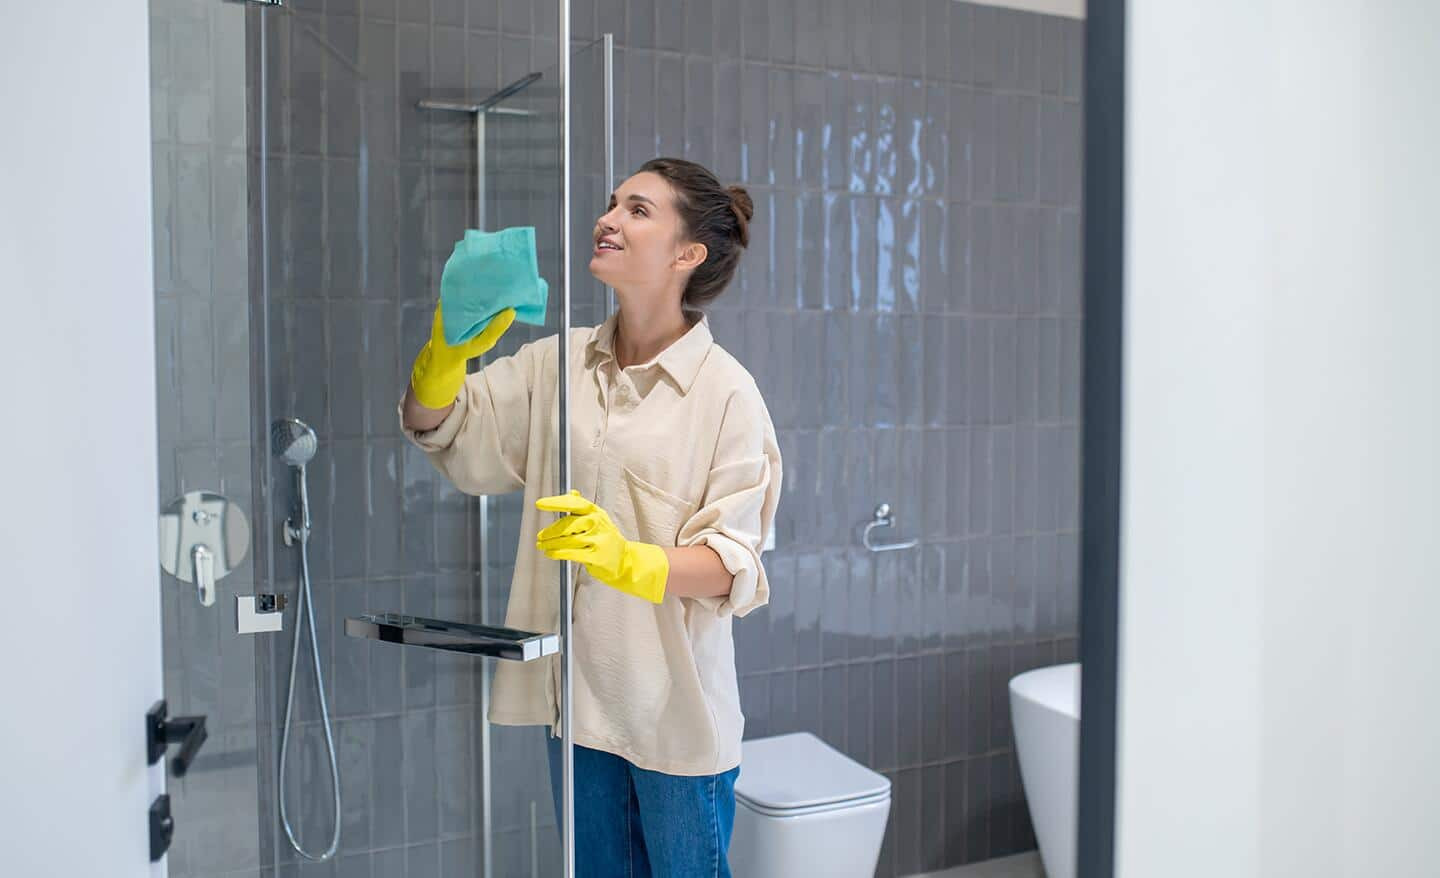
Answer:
(714, 215)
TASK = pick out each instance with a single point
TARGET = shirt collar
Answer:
(681, 360)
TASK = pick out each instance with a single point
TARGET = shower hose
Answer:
(305, 615)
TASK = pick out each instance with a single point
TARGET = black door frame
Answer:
(1104, 227)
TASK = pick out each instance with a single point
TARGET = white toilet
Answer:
(803, 808)
(1045, 712)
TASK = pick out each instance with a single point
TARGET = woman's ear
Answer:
(692, 256)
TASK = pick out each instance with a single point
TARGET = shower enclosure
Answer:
(314, 164)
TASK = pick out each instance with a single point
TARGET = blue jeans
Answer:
(633, 823)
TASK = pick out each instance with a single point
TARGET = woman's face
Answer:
(638, 240)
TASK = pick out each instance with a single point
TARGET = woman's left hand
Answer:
(587, 535)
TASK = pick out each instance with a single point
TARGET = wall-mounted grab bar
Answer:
(883, 518)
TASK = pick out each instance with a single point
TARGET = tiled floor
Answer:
(1018, 866)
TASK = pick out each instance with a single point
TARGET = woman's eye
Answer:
(640, 211)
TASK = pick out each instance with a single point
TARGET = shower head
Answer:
(292, 440)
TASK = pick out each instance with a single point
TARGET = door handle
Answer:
(160, 732)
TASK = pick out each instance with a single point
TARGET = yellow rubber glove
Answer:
(587, 535)
(439, 370)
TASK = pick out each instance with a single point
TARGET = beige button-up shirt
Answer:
(681, 452)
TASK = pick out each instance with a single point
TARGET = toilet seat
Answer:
(813, 809)
(791, 775)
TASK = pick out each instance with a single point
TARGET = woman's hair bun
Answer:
(744, 209)
(711, 214)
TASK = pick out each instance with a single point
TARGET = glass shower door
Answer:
(207, 448)
(305, 202)
(384, 145)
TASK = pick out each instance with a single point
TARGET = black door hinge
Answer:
(162, 827)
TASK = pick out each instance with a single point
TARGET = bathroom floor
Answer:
(1025, 865)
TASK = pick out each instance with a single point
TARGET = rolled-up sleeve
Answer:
(738, 507)
(483, 444)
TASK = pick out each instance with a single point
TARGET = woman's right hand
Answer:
(439, 370)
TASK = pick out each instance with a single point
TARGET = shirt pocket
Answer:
(659, 514)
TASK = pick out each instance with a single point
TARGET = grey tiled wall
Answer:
(368, 194)
(911, 309)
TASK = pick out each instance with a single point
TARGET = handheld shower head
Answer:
(292, 440)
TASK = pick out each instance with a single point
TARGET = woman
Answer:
(676, 473)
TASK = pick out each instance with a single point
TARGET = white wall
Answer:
(1280, 681)
(81, 644)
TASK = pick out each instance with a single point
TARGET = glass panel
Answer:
(199, 136)
(592, 149)
(521, 184)
(300, 237)
(366, 192)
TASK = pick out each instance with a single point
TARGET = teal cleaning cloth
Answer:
(487, 273)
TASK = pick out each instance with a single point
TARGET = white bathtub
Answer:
(1045, 712)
